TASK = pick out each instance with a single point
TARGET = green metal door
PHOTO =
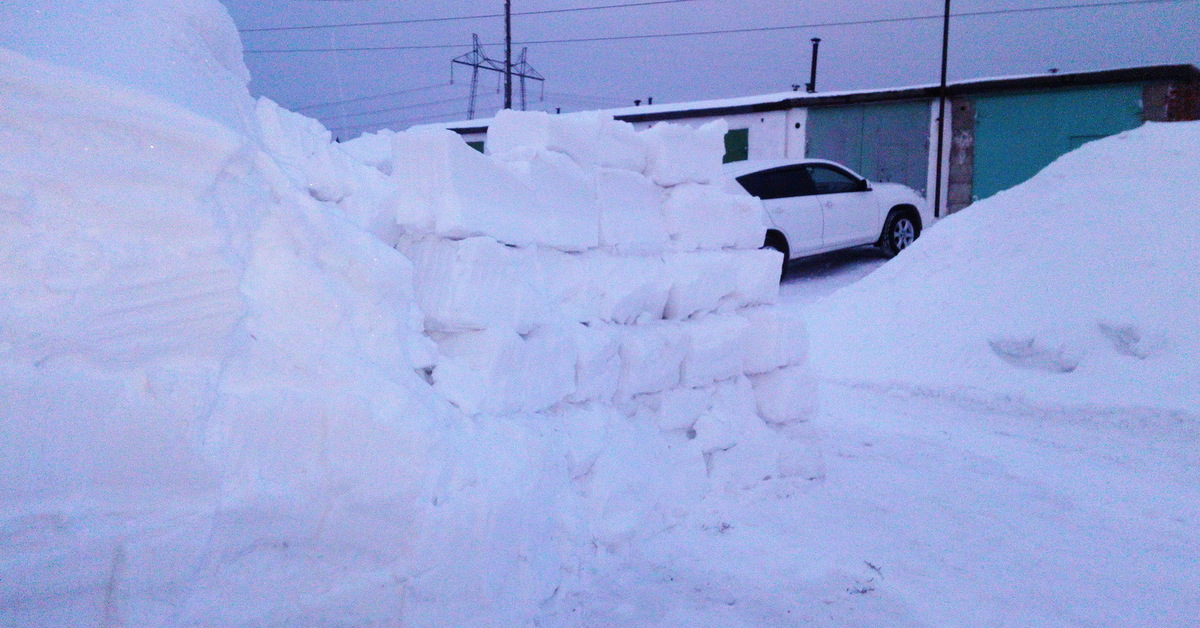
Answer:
(1016, 135)
(737, 145)
(883, 142)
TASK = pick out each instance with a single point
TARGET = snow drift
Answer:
(185, 51)
(1075, 288)
(251, 378)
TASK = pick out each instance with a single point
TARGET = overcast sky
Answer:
(604, 74)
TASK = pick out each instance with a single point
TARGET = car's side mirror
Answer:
(864, 186)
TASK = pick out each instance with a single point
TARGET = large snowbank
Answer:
(186, 51)
(1075, 288)
(253, 378)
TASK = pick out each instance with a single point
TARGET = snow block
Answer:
(675, 408)
(681, 154)
(564, 214)
(757, 277)
(735, 397)
(596, 286)
(715, 431)
(632, 289)
(786, 396)
(748, 226)
(567, 281)
(589, 138)
(776, 338)
(372, 149)
(621, 147)
(715, 348)
(515, 134)
(598, 367)
(700, 280)
(499, 372)
(450, 189)
(630, 207)
(458, 284)
(651, 358)
(707, 217)
(584, 437)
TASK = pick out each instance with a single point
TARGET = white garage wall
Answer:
(773, 134)
(769, 136)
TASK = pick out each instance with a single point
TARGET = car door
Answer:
(849, 214)
(787, 196)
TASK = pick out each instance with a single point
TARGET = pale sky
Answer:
(605, 74)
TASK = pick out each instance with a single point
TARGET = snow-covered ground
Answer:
(910, 511)
(907, 508)
(251, 377)
(811, 279)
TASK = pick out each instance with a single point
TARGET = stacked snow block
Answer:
(581, 262)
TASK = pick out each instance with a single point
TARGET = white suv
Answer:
(814, 206)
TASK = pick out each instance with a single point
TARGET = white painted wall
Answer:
(773, 134)
(769, 137)
(796, 134)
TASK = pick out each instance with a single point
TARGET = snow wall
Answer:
(251, 378)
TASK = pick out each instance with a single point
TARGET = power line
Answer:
(461, 17)
(371, 97)
(397, 108)
(365, 48)
(452, 115)
(731, 31)
(570, 96)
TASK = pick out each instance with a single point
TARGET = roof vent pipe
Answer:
(811, 86)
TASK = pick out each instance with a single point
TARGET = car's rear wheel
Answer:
(776, 240)
(900, 230)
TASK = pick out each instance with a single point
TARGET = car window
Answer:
(789, 182)
(777, 183)
(757, 184)
(830, 180)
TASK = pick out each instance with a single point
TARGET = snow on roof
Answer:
(727, 106)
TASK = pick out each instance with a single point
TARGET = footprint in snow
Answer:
(1027, 353)
(1127, 340)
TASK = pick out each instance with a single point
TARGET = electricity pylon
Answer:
(478, 60)
(524, 70)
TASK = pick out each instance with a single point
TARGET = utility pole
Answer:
(508, 64)
(941, 120)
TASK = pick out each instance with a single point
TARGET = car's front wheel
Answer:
(901, 228)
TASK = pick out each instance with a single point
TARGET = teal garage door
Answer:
(1016, 135)
(883, 142)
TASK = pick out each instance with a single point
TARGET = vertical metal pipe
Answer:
(941, 120)
(812, 75)
(508, 83)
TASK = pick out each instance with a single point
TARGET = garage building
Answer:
(1000, 132)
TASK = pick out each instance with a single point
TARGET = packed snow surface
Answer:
(254, 377)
